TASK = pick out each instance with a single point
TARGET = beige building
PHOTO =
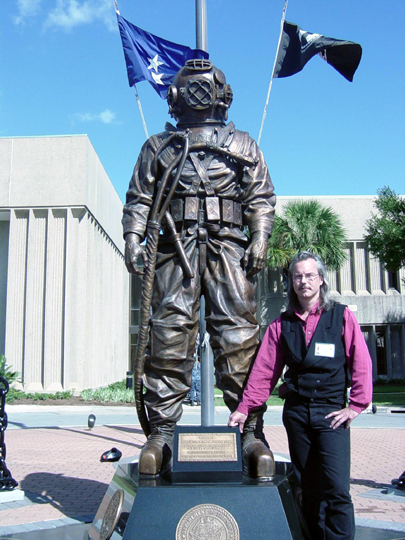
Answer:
(63, 282)
(377, 297)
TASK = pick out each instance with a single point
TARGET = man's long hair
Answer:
(326, 302)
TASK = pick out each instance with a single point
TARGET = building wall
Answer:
(56, 172)
(66, 318)
(376, 296)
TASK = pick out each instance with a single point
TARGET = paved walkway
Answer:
(63, 480)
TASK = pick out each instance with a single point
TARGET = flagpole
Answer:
(201, 25)
(205, 351)
(272, 73)
(145, 129)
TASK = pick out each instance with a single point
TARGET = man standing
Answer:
(321, 344)
(223, 186)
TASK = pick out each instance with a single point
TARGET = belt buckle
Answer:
(212, 207)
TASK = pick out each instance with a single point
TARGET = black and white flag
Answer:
(297, 47)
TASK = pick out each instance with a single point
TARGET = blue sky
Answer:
(62, 71)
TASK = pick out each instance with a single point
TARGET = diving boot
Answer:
(258, 459)
(156, 454)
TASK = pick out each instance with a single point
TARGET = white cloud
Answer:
(26, 8)
(106, 117)
(70, 13)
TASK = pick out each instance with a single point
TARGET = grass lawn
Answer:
(384, 395)
(388, 395)
(272, 401)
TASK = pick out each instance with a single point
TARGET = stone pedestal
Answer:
(197, 500)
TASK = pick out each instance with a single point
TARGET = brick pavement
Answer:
(62, 476)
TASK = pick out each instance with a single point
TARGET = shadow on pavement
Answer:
(71, 496)
(369, 483)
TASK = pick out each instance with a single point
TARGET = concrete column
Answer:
(362, 269)
(346, 287)
(16, 290)
(35, 301)
(372, 347)
(333, 278)
(4, 236)
(376, 281)
(388, 349)
(55, 301)
(75, 299)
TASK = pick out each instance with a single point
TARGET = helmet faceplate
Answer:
(199, 94)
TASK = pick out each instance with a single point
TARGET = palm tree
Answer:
(307, 226)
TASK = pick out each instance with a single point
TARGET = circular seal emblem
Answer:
(207, 522)
(112, 515)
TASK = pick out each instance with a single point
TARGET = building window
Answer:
(135, 314)
(393, 282)
(381, 352)
(136, 295)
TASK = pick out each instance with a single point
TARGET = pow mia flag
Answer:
(297, 47)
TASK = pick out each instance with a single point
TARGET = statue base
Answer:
(141, 508)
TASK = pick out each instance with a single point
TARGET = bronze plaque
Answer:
(207, 521)
(207, 447)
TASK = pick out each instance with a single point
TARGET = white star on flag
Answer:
(155, 63)
(158, 78)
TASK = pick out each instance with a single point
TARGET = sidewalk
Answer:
(63, 480)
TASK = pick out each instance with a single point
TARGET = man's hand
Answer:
(344, 416)
(256, 254)
(133, 251)
(237, 419)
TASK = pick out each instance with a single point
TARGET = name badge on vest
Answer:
(325, 349)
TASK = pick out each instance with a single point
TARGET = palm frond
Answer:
(307, 226)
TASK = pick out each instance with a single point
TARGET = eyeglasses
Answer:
(308, 277)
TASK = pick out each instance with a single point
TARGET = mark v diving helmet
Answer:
(199, 94)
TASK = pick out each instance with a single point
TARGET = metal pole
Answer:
(145, 129)
(206, 356)
(272, 73)
(201, 24)
(207, 373)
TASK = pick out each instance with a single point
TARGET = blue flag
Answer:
(297, 47)
(151, 58)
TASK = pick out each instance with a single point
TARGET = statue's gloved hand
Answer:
(256, 254)
(133, 251)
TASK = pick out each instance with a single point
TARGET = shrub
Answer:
(7, 373)
(113, 393)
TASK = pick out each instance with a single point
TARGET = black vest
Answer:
(319, 371)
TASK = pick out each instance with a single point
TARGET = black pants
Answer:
(320, 457)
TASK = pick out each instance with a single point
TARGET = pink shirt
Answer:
(270, 363)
